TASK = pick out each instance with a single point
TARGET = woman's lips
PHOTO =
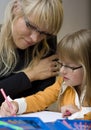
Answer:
(28, 42)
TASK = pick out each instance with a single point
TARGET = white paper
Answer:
(45, 116)
(80, 114)
(49, 116)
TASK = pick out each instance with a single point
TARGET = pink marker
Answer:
(68, 113)
(5, 97)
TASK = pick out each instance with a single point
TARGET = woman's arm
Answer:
(19, 84)
(14, 84)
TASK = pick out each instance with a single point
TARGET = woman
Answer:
(27, 27)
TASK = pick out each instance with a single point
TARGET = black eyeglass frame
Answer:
(72, 68)
(29, 25)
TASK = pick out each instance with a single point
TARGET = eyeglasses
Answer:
(32, 27)
(68, 67)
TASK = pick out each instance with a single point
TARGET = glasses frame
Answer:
(66, 66)
(31, 26)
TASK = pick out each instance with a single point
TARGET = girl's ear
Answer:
(16, 7)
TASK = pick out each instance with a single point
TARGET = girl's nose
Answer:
(63, 70)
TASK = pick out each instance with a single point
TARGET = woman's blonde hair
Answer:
(77, 48)
(45, 12)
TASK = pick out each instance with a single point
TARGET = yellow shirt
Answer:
(43, 99)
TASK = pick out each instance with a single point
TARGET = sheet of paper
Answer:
(46, 116)
(80, 114)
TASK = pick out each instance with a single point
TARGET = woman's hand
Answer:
(68, 110)
(5, 110)
(43, 69)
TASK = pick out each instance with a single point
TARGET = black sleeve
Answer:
(40, 85)
(14, 84)
(18, 85)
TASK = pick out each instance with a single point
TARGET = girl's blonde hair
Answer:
(45, 12)
(77, 48)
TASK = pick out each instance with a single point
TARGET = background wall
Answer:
(76, 16)
(3, 4)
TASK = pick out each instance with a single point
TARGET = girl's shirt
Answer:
(43, 99)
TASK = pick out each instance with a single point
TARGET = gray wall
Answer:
(76, 16)
(3, 4)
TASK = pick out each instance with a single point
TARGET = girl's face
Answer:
(26, 34)
(72, 73)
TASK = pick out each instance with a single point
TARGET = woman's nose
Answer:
(35, 36)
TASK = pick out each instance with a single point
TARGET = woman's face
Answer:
(25, 35)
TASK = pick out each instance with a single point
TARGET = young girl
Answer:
(74, 82)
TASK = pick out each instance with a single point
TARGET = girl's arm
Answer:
(34, 103)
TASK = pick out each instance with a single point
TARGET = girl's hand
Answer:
(5, 110)
(68, 110)
(43, 69)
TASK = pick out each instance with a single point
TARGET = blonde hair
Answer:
(77, 48)
(46, 12)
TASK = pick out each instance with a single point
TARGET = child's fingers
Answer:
(15, 106)
(67, 113)
(6, 110)
(5, 106)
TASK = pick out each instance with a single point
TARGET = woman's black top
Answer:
(18, 85)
